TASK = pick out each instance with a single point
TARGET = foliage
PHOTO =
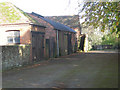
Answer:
(102, 14)
(28, 16)
(94, 35)
(111, 39)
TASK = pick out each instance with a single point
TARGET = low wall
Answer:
(101, 47)
(15, 56)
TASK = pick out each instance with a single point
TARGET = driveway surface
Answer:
(79, 70)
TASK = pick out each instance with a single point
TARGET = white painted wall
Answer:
(3, 36)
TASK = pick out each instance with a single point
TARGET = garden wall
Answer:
(14, 56)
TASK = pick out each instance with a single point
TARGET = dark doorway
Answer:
(82, 42)
(37, 45)
(47, 48)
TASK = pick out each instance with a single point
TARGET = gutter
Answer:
(38, 25)
(22, 24)
(13, 24)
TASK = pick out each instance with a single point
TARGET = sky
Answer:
(47, 7)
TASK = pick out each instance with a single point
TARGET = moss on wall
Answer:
(30, 18)
(8, 13)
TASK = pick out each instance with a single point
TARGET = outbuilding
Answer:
(47, 38)
(60, 39)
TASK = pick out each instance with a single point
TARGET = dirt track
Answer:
(80, 70)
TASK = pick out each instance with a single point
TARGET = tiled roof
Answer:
(56, 25)
(71, 20)
(10, 14)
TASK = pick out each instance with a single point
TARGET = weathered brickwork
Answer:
(24, 33)
(49, 30)
(37, 28)
(50, 33)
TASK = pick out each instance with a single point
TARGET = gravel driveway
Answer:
(79, 70)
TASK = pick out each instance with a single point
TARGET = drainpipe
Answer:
(57, 45)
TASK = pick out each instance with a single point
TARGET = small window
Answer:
(13, 36)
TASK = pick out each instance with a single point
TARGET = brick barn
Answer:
(60, 39)
(47, 38)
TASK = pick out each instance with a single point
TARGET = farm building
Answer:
(57, 35)
(70, 20)
(73, 22)
(46, 38)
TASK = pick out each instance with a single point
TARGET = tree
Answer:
(110, 39)
(102, 14)
(94, 35)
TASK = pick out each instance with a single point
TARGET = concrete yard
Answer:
(79, 70)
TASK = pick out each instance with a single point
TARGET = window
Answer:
(13, 36)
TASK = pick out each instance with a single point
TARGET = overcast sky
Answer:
(47, 7)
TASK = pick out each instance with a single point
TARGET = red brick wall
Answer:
(49, 30)
(25, 37)
(37, 28)
(24, 32)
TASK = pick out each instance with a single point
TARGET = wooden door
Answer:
(37, 45)
(47, 48)
(69, 44)
(50, 47)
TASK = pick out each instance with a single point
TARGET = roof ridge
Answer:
(38, 15)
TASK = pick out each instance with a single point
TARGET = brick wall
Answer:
(49, 34)
(37, 28)
(15, 56)
(49, 30)
(24, 33)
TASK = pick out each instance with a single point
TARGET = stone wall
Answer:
(15, 56)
